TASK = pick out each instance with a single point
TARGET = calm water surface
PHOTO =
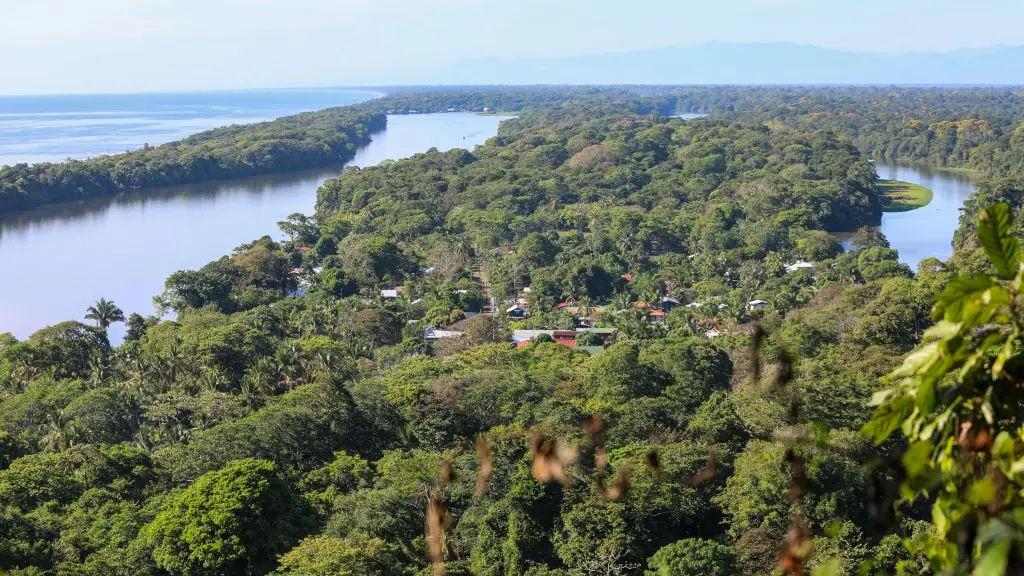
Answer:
(54, 128)
(56, 262)
(927, 231)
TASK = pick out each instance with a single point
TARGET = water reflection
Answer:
(927, 231)
(57, 261)
(73, 212)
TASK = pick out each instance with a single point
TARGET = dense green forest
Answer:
(978, 129)
(311, 140)
(743, 395)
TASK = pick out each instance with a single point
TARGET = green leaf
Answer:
(995, 232)
(830, 568)
(882, 396)
(997, 540)
(917, 458)
(1003, 446)
(942, 329)
(940, 519)
(925, 395)
(959, 291)
(1002, 451)
(888, 418)
(926, 355)
(982, 352)
(1005, 353)
(982, 492)
(994, 559)
(997, 295)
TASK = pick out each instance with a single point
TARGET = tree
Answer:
(299, 228)
(618, 375)
(537, 250)
(68, 348)
(378, 326)
(137, 327)
(594, 539)
(197, 288)
(818, 245)
(355, 555)
(485, 328)
(869, 237)
(231, 521)
(957, 400)
(37, 479)
(693, 556)
(104, 313)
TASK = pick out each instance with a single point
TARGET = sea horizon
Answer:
(54, 128)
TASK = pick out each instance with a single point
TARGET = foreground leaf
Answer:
(995, 232)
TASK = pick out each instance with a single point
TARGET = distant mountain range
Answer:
(769, 63)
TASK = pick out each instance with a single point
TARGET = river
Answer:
(927, 231)
(57, 261)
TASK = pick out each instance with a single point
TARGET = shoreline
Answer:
(902, 196)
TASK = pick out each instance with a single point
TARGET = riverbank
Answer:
(927, 231)
(900, 196)
(290, 144)
(124, 247)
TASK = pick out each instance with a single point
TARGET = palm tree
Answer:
(104, 313)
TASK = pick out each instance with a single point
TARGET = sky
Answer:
(78, 46)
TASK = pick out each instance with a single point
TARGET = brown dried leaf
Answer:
(784, 373)
(551, 458)
(965, 439)
(798, 547)
(447, 474)
(653, 461)
(756, 340)
(982, 441)
(620, 485)
(483, 451)
(437, 524)
(595, 428)
(709, 471)
(798, 475)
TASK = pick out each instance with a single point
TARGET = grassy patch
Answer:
(957, 169)
(899, 196)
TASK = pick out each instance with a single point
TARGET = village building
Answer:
(607, 335)
(435, 334)
(516, 312)
(520, 336)
(799, 265)
(569, 338)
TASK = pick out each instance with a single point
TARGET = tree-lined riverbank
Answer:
(299, 142)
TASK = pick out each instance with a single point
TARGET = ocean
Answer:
(55, 128)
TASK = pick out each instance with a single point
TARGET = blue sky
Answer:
(54, 46)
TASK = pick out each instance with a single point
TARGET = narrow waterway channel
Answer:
(58, 261)
(927, 231)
